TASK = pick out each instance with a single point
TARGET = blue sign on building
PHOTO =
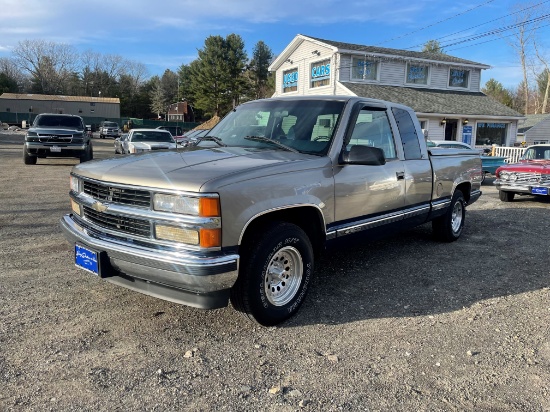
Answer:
(467, 134)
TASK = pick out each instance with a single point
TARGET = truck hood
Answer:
(198, 169)
(528, 166)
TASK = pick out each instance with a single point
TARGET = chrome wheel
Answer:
(283, 276)
(457, 216)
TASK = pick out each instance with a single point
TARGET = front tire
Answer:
(88, 154)
(274, 275)
(506, 196)
(28, 159)
(448, 228)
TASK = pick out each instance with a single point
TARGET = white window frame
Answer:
(291, 69)
(310, 80)
(363, 58)
(467, 87)
(428, 78)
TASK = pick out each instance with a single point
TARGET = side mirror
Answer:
(364, 155)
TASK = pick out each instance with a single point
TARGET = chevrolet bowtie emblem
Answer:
(100, 207)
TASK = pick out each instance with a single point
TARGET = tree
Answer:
(217, 75)
(525, 30)
(8, 84)
(158, 98)
(433, 46)
(261, 59)
(496, 90)
(169, 83)
(48, 63)
(236, 64)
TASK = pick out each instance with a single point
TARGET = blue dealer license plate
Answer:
(86, 259)
(539, 191)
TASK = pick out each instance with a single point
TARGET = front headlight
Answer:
(504, 175)
(187, 205)
(75, 184)
(31, 137)
(513, 177)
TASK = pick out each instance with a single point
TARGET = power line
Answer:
(499, 30)
(482, 24)
(436, 23)
(488, 41)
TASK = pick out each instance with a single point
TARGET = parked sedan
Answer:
(142, 140)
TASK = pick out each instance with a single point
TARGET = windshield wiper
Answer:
(213, 139)
(268, 140)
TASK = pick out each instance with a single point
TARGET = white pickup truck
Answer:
(243, 215)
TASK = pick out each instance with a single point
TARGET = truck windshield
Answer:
(59, 121)
(305, 126)
(537, 153)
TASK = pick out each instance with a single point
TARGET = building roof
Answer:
(532, 120)
(52, 97)
(435, 101)
(442, 57)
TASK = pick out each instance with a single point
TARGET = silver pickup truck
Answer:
(242, 215)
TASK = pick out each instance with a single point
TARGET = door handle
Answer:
(400, 175)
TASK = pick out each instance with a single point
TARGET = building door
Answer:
(450, 129)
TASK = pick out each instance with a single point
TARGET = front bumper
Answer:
(518, 188)
(55, 149)
(182, 277)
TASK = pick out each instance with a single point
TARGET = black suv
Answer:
(57, 135)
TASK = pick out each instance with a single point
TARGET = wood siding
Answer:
(540, 131)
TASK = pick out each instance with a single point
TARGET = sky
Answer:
(166, 34)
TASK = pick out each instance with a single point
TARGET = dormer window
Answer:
(364, 69)
(459, 78)
(290, 81)
(320, 73)
(417, 73)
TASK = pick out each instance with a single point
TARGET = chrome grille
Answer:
(55, 138)
(125, 196)
(528, 177)
(122, 224)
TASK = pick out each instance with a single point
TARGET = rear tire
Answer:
(274, 275)
(506, 196)
(448, 228)
(28, 159)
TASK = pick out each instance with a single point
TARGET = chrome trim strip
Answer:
(416, 211)
(441, 204)
(369, 223)
(277, 209)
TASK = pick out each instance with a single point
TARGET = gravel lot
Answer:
(401, 324)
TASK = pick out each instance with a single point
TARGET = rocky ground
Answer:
(401, 324)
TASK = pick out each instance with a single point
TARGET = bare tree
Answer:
(48, 63)
(544, 61)
(526, 23)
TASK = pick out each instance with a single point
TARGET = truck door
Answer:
(369, 196)
(418, 169)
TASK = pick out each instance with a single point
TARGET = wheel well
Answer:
(465, 188)
(309, 219)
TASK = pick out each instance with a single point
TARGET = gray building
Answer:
(19, 107)
(443, 90)
(535, 129)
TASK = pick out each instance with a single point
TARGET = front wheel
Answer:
(506, 196)
(88, 154)
(448, 228)
(275, 273)
(28, 159)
